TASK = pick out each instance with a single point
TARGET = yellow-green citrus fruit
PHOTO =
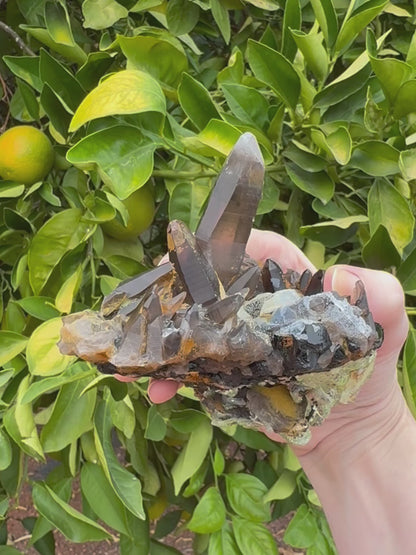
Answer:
(26, 155)
(141, 208)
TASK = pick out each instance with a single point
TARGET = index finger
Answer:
(267, 244)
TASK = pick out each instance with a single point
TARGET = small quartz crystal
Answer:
(263, 348)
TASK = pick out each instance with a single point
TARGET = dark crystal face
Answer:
(261, 347)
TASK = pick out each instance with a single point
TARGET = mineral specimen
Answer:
(261, 347)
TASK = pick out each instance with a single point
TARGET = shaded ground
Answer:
(19, 537)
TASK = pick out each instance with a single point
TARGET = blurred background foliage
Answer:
(142, 100)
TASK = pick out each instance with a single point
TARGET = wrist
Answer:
(351, 431)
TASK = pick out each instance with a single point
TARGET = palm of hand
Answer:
(381, 394)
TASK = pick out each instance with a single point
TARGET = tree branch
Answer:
(23, 47)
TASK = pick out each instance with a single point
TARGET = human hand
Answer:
(380, 397)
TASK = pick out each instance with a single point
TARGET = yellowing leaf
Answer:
(68, 290)
(43, 355)
(125, 92)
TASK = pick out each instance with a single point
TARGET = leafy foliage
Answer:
(155, 93)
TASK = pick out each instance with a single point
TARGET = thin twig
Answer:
(23, 47)
(22, 538)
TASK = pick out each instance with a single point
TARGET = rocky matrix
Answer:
(261, 347)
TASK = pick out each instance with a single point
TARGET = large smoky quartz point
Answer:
(261, 347)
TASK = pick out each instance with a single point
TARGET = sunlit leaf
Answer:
(125, 92)
(100, 14)
(43, 355)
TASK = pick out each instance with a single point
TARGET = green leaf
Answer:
(273, 69)
(392, 74)
(254, 439)
(340, 144)
(20, 424)
(59, 235)
(219, 462)
(292, 19)
(9, 189)
(11, 344)
(42, 353)
(5, 451)
(196, 101)
(60, 80)
(29, 99)
(245, 494)
(304, 158)
(313, 51)
(101, 14)
(334, 232)
(209, 514)
(407, 274)
(8, 550)
(58, 23)
(41, 308)
(223, 542)
(302, 529)
(339, 90)
(161, 57)
(375, 158)
(253, 538)
(122, 155)
(125, 484)
(357, 21)
(234, 71)
(71, 416)
(405, 101)
(283, 487)
(247, 104)
(125, 92)
(379, 252)
(409, 376)
(156, 425)
(222, 19)
(93, 69)
(192, 455)
(46, 385)
(220, 136)
(26, 68)
(73, 524)
(54, 109)
(387, 207)
(197, 480)
(318, 184)
(157, 548)
(102, 498)
(72, 53)
(186, 202)
(68, 290)
(327, 19)
(181, 16)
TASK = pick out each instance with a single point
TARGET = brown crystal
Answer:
(261, 347)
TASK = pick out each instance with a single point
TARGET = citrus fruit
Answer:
(26, 155)
(140, 207)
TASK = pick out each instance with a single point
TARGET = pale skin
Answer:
(362, 459)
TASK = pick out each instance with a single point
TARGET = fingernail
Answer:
(343, 281)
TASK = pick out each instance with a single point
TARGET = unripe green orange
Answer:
(141, 208)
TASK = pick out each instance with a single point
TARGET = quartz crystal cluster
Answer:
(261, 347)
